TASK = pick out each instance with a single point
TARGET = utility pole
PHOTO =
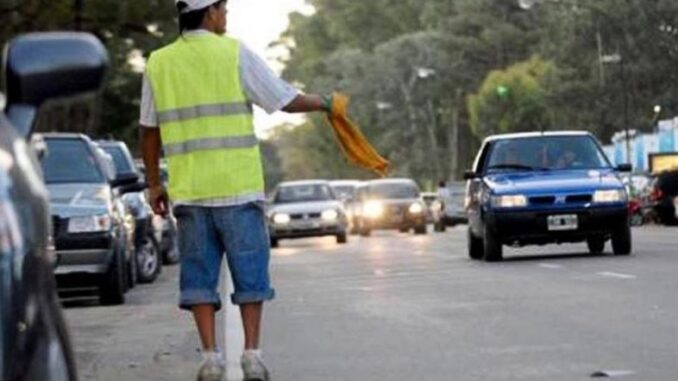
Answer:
(78, 6)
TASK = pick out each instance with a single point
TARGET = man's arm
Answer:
(151, 144)
(308, 103)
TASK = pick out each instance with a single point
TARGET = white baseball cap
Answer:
(194, 5)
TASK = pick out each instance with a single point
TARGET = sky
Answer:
(258, 23)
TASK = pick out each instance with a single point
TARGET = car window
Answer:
(122, 164)
(546, 152)
(303, 193)
(393, 191)
(70, 161)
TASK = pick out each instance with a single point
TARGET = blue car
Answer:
(544, 188)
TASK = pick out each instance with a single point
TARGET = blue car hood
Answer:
(554, 181)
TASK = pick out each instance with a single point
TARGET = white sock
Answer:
(215, 354)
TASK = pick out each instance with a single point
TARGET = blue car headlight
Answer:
(610, 196)
(509, 201)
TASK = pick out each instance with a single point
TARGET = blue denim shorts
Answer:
(205, 235)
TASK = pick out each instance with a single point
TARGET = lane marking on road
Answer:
(612, 373)
(610, 274)
(234, 337)
(550, 266)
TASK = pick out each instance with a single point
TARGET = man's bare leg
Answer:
(204, 320)
(251, 320)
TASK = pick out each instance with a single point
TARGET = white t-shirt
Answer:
(260, 84)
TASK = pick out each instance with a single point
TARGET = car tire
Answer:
(475, 245)
(492, 247)
(404, 230)
(596, 245)
(342, 238)
(132, 273)
(420, 230)
(275, 243)
(172, 255)
(113, 283)
(149, 261)
(622, 241)
(439, 227)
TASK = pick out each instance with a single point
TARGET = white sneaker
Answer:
(212, 367)
(253, 367)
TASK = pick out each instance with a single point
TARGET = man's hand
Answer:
(159, 200)
(309, 103)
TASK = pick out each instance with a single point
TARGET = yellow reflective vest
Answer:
(205, 121)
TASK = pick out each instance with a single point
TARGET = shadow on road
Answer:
(566, 256)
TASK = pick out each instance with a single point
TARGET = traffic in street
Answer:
(400, 307)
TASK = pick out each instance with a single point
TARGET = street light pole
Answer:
(78, 6)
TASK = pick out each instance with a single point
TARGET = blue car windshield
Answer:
(70, 161)
(546, 153)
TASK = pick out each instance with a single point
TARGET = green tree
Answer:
(512, 100)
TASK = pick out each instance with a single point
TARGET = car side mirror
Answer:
(39, 67)
(133, 188)
(624, 168)
(125, 180)
(470, 175)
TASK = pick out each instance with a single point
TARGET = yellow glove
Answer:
(356, 148)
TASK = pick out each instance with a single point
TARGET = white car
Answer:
(303, 209)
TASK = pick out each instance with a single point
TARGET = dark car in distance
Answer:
(664, 189)
(391, 204)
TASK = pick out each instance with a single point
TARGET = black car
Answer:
(664, 191)
(147, 250)
(34, 343)
(90, 234)
(391, 204)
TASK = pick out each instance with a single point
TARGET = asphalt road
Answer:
(404, 307)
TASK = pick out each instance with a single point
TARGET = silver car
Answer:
(304, 209)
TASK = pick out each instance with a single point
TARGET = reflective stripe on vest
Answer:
(205, 121)
(201, 111)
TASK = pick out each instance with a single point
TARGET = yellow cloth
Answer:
(354, 144)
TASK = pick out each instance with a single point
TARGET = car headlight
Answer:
(416, 208)
(610, 196)
(89, 224)
(330, 215)
(513, 201)
(373, 209)
(281, 219)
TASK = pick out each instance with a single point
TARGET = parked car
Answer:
(451, 211)
(303, 209)
(346, 190)
(391, 204)
(34, 340)
(664, 190)
(541, 188)
(146, 245)
(638, 186)
(89, 220)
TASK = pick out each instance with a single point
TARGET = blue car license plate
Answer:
(566, 222)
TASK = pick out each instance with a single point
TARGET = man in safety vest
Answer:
(197, 109)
